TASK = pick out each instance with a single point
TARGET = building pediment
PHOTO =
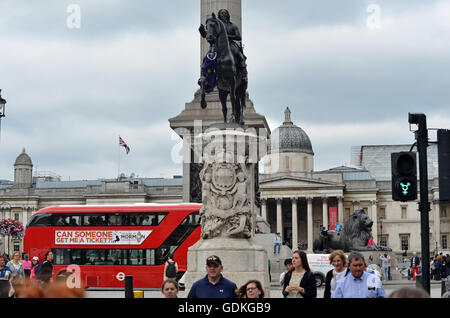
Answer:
(296, 182)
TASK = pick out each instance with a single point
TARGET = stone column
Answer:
(310, 225)
(437, 224)
(341, 210)
(325, 212)
(294, 224)
(264, 209)
(374, 217)
(280, 218)
(234, 7)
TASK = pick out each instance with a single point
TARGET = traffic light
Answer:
(443, 138)
(404, 176)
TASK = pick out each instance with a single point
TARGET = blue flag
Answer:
(210, 71)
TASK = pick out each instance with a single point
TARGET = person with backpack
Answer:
(170, 269)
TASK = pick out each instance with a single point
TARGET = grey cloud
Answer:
(71, 93)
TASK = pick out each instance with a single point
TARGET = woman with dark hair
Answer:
(251, 289)
(299, 282)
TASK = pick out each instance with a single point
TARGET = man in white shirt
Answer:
(277, 243)
(358, 283)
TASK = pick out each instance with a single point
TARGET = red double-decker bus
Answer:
(110, 242)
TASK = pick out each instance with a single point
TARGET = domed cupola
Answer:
(289, 149)
(23, 171)
(289, 137)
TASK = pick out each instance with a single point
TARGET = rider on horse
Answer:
(233, 35)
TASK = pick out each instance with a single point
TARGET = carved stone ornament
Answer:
(226, 207)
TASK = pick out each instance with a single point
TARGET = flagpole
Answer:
(118, 160)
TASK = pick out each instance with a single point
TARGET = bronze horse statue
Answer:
(230, 78)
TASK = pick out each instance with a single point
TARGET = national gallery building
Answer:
(295, 199)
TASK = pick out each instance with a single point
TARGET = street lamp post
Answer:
(2, 110)
(381, 229)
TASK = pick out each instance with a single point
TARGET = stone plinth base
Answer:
(376, 260)
(242, 260)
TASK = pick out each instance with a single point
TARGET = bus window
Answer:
(196, 218)
(40, 220)
(136, 257)
(91, 256)
(145, 221)
(93, 220)
(149, 257)
(75, 256)
(61, 256)
(161, 217)
(59, 220)
(116, 257)
(74, 220)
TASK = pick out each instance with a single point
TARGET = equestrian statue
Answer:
(224, 65)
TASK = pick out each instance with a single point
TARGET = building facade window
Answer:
(287, 163)
(404, 212)
(404, 241)
(443, 212)
(16, 216)
(382, 212)
(444, 241)
(383, 240)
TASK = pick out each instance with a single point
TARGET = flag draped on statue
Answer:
(123, 144)
(210, 71)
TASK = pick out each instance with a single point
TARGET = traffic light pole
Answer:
(424, 205)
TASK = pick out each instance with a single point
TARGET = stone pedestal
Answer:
(242, 260)
(229, 154)
(376, 260)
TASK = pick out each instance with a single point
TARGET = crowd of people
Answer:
(349, 278)
(24, 278)
(439, 266)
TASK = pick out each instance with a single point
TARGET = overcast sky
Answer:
(350, 71)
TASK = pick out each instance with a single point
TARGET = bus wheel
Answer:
(319, 280)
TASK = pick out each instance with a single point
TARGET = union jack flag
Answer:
(123, 144)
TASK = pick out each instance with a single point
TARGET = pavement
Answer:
(275, 290)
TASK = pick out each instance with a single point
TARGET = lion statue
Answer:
(355, 236)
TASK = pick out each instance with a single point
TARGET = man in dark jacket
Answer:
(46, 271)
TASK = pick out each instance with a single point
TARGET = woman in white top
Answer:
(339, 260)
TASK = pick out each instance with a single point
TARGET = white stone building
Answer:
(289, 183)
(27, 194)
